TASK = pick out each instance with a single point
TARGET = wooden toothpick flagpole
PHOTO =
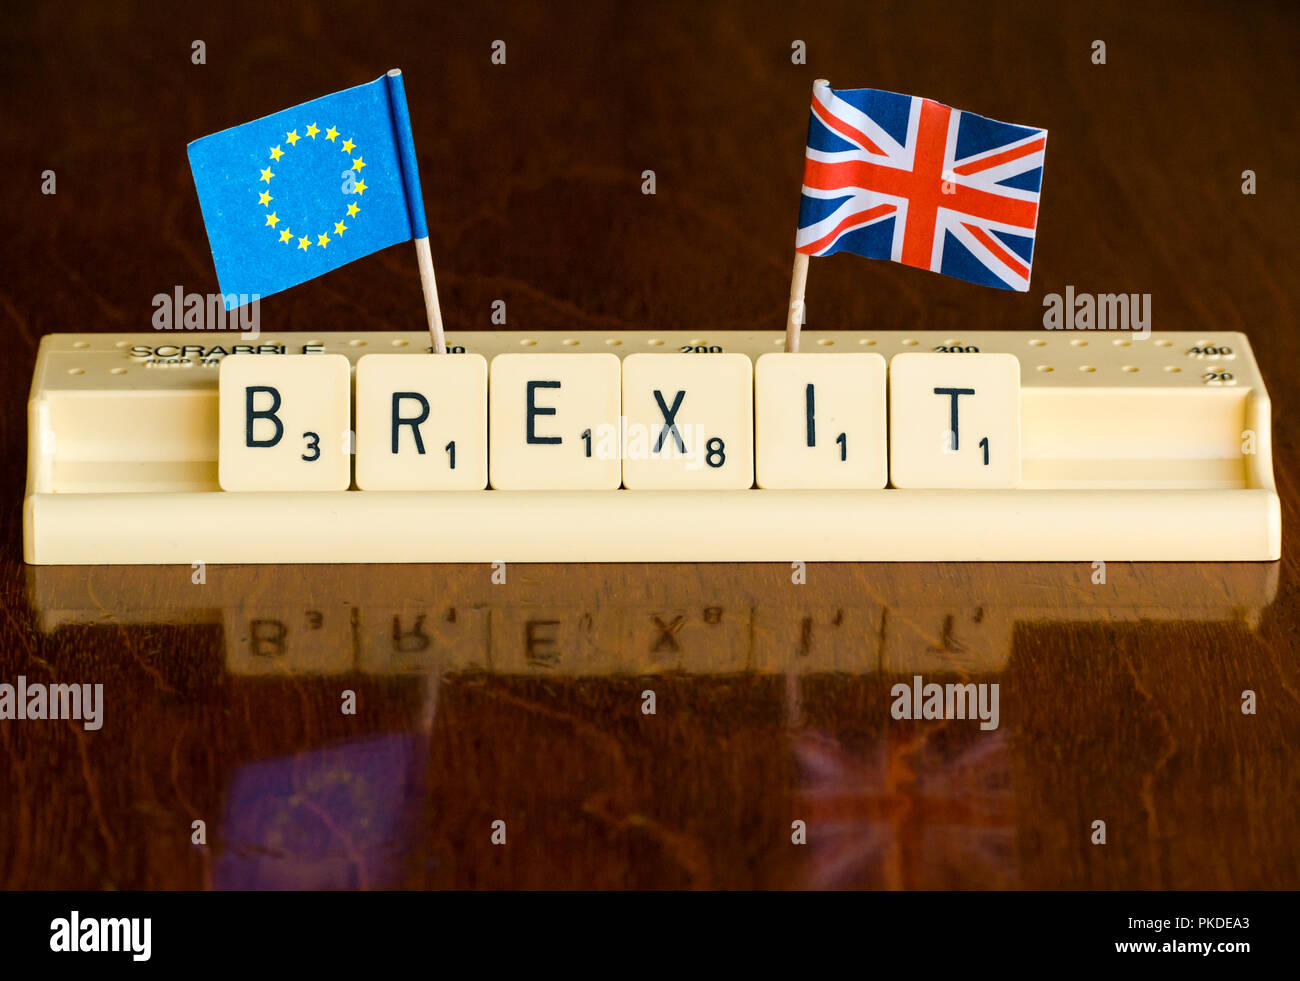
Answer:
(415, 207)
(430, 286)
(794, 317)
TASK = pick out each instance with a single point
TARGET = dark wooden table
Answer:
(522, 702)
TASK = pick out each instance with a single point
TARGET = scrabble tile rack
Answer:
(1155, 448)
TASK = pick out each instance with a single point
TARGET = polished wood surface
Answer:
(522, 702)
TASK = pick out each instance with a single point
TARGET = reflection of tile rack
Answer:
(1132, 449)
(387, 620)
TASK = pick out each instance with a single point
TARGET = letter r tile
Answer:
(422, 422)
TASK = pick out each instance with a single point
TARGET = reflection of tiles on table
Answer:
(570, 641)
(930, 619)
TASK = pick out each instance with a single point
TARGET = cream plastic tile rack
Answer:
(1132, 449)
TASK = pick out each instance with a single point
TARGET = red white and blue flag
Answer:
(891, 176)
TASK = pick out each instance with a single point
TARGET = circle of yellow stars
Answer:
(264, 198)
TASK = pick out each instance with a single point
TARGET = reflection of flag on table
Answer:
(909, 812)
(891, 176)
(293, 195)
(338, 817)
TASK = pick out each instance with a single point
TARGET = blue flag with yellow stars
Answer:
(293, 195)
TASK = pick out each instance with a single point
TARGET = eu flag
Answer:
(293, 195)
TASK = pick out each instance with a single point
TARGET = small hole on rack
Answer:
(356, 342)
(868, 341)
(826, 342)
(1123, 342)
(315, 344)
(1202, 343)
(76, 371)
(527, 342)
(117, 371)
(570, 342)
(1038, 342)
(655, 342)
(1045, 367)
(1087, 367)
(696, 341)
(1171, 368)
(1164, 343)
(81, 345)
(1079, 343)
(909, 342)
(400, 343)
(778, 340)
(613, 341)
(1130, 368)
(121, 343)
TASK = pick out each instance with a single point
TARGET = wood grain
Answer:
(522, 702)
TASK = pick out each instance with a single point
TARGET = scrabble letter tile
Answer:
(422, 422)
(284, 422)
(553, 422)
(819, 421)
(954, 420)
(690, 421)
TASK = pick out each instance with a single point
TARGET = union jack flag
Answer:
(891, 176)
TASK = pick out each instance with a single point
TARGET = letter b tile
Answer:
(284, 422)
